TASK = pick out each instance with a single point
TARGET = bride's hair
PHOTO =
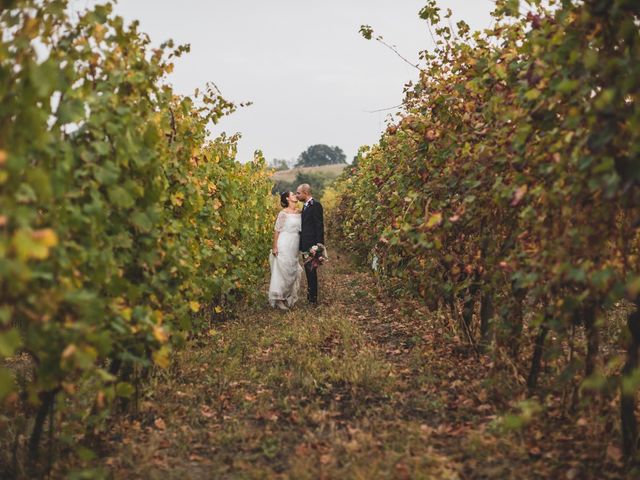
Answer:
(284, 199)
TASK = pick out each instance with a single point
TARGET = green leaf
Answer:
(120, 197)
(46, 77)
(142, 221)
(124, 389)
(106, 174)
(366, 31)
(85, 454)
(595, 382)
(10, 341)
(71, 111)
(105, 376)
(532, 94)
(567, 86)
(7, 384)
(5, 315)
(605, 99)
(606, 165)
(512, 7)
(631, 383)
(590, 59)
(86, 357)
(41, 184)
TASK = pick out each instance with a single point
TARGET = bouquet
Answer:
(316, 255)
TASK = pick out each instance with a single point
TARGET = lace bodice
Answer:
(288, 222)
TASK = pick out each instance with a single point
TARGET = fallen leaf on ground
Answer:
(159, 423)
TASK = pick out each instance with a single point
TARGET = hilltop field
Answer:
(328, 171)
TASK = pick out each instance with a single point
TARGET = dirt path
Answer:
(362, 387)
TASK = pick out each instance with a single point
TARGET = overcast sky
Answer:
(310, 75)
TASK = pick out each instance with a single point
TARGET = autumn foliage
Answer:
(123, 227)
(507, 192)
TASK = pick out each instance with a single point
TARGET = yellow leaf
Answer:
(30, 27)
(177, 199)
(98, 32)
(46, 237)
(160, 334)
(34, 244)
(161, 357)
(195, 306)
(434, 220)
(218, 309)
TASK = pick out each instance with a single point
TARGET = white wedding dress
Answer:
(286, 270)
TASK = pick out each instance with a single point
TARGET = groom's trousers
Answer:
(312, 282)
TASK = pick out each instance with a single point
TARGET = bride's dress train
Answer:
(286, 270)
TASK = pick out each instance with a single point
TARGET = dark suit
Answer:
(312, 234)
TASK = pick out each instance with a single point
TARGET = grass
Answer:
(329, 171)
(363, 387)
(304, 394)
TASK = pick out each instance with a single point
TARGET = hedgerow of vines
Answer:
(119, 218)
(512, 180)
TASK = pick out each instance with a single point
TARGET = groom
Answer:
(312, 234)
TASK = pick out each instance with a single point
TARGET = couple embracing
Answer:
(296, 232)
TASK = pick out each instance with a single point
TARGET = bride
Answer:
(285, 268)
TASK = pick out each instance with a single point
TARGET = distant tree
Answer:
(317, 181)
(279, 164)
(280, 186)
(317, 155)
